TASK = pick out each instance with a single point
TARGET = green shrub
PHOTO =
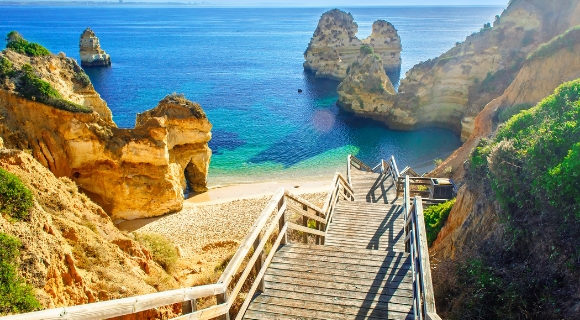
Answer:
(532, 168)
(162, 249)
(15, 198)
(366, 49)
(508, 112)
(435, 217)
(535, 145)
(17, 43)
(15, 295)
(6, 68)
(82, 78)
(34, 88)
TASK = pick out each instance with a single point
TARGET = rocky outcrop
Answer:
(475, 225)
(366, 90)
(452, 89)
(552, 64)
(90, 50)
(334, 45)
(131, 173)
(532, 84)
(71, 251)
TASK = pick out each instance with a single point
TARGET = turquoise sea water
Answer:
(244, 67)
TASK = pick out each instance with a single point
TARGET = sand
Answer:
(211, 226)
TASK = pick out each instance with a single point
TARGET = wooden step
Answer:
(401, 278)
(364, 273)
(327, 259)
(368, 245)
(389, 288)
(395, 303)
(341, 252)
(301, 308)
(272, 311)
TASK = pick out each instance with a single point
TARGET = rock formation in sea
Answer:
(366, 84)
(50, 107)
(334, 45)
(90, 50)
(449, 91)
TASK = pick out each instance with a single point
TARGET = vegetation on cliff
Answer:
(15, 295)
(16, 42)
(29, 84)
(435, 217)
(15, 198)
(566, 40)
(15, 202)
(528, 267)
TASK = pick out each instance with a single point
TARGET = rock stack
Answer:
(366, 90)
(334, 45)
(90, 50)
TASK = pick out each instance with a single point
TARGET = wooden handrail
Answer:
(124, 306)
(416, 245)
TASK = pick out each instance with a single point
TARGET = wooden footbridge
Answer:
(362, 256)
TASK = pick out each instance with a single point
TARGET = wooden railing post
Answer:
(282, 221)
(223, 298)
(348, 161)
(189, 306)
(305, 224)
(259, 261)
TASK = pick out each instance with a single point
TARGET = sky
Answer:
(309, 3)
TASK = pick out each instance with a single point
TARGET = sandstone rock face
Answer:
(64, 75)
(72, 252)
(451, 89)
(539, 76)
(334, 45)
(131, 173)
(366, 90)
(90, 50)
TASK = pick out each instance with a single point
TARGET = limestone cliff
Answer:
(477, 225)
(131, 173)
(90, 51)
(552, 65)
(366, 85)
(334, 45)
(451, 90)
(71, 252)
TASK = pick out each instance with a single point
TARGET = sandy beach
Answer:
(209, 229)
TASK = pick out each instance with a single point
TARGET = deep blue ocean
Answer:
(244, 66)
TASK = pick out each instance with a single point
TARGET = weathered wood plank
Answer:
(247, 244)
(120, 307)
(399, 278)
(342, 267)
(296, 227)
(204, 314)
(302, 312)
(398, 288)
(362, 273)
(261, 274)
(384, 295)
(337, 251)
(329, 259)
(427, 283)
(382, 301)
(362, 309)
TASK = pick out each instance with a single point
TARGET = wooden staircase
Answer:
(363, 255)
(362, 271)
